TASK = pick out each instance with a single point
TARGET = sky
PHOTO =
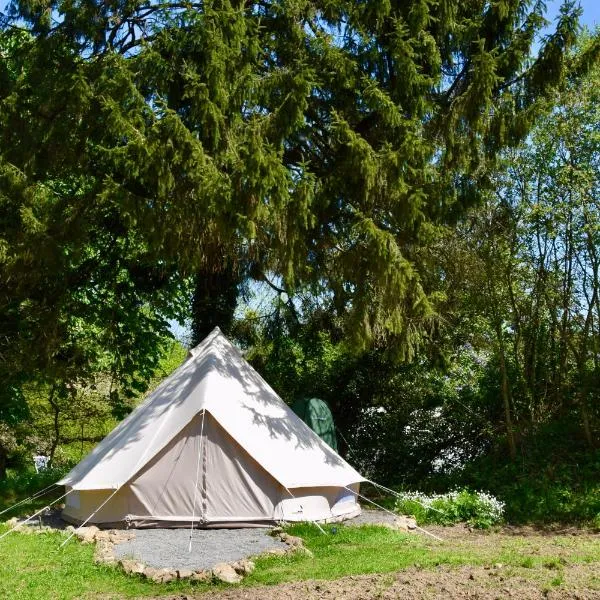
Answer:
(591, 11)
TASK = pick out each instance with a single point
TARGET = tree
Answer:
(322, 143)
(526, 261)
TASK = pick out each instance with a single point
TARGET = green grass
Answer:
(353, 551)
(371, 549)
(32, 566)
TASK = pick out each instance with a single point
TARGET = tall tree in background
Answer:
(526, 262)
(214, 301)
(145, 143)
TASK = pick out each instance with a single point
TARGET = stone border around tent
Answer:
(232, 572)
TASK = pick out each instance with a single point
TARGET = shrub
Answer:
(21, 485)
(554, 481)
(478, 509)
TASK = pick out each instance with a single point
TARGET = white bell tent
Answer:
(212, 446)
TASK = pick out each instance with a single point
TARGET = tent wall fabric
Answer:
(317, 415)
(213, 445)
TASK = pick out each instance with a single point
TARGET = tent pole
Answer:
(197, 476)
(84, 523)
(282, 521)
(39, 512)
(393, 514)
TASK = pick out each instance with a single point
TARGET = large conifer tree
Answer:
(320, 141)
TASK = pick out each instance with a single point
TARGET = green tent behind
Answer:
(316, 414)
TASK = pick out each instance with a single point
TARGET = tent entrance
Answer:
(202, 476)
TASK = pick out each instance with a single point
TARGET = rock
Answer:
(102, 536)
(87, 534)
(104, 552)
(292, 540)
(132, 566)
(117, 536)
(25, 529)
(150, 572)
(184, 574)
(114, 536)
(104, 556)
(105, 559)
(12, 522)
(104, 546)
(160, 575)
(170, 575)
(243, 567)
(202, 576)
(39, 530)
(277, 551)
(403, 523)
(226, 573)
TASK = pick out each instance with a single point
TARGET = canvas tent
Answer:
(213, 445)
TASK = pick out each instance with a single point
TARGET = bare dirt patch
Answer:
(577, 583)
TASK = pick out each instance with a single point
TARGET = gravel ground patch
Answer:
(168, 548)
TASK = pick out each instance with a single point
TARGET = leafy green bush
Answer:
(20, 485)
(555, 480)
(478, 509)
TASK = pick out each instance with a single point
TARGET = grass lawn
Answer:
(369, 549)
(31, 566)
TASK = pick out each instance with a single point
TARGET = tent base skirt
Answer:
(139, 523)
(154, 523)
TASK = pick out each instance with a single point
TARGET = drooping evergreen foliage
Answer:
(214, 301)
(320, 141)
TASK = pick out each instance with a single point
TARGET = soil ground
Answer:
(560, 578)
(412, 584)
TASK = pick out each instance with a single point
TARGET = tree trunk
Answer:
(587, 429)
(505, 387)
(3, 461)
(56, 438)
(214, 301)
